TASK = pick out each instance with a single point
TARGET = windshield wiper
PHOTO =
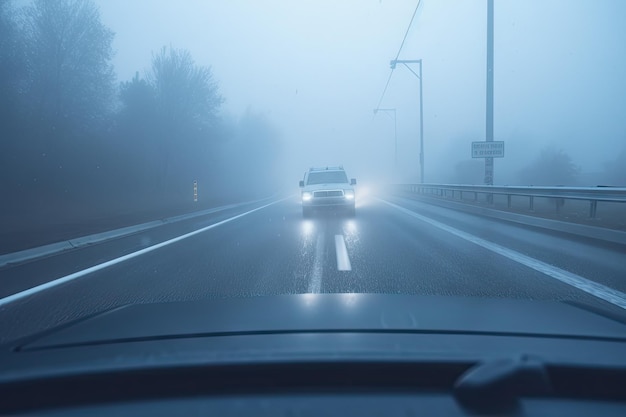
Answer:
(496, 386)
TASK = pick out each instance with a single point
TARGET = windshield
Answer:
(154, 151)
(330, 177)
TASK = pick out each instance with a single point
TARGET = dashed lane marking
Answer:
(343, 261)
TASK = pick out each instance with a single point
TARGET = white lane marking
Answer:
(598, 290)
(343, 261)
(315, 286)
(14, 297)
(56, 248)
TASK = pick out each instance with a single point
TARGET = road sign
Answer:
(494, 149)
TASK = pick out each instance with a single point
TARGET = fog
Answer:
(316, 69)
(121, 105)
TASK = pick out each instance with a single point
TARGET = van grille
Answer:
(333, 193)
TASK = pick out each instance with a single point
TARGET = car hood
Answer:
(329, 186)
(311, 313)
(313, 328)
(311, 341)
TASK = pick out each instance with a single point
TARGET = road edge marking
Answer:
(600, 291)
(25, 293)
(30, 254)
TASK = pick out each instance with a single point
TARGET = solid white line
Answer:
(315, 286)
(55, 248)
(598, 290)
(14, 297)
(343, 261)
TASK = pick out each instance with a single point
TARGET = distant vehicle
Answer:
(327, 188)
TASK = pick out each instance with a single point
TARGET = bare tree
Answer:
(186, 94)
(10, 63)
(186, 101)
(138, 103)
(468, 171)
(615, 170)
(552, 167)
(256, 147)
(68, 53)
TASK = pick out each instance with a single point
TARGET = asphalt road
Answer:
(393, 245)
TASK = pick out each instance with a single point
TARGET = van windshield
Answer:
(326, 177)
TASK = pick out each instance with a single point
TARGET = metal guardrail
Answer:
(559, 194)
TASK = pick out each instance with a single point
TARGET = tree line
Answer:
(551, 166)
(70, 132)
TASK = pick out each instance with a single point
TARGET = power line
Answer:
(398, 54)
(385, 90)
(408, 28)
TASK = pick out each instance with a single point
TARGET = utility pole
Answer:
(395, 133)
(419, 76)
(489, 109)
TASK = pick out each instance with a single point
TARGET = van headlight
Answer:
(306, 196)
(348, 194)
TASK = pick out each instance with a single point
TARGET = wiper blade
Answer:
(496, 386)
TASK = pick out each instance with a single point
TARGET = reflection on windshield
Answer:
(310, 299)
(349, 299)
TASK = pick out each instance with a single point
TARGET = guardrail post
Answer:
(559, 202)
(508, 200)
(532, 203)
(475, 196)
(593, 208)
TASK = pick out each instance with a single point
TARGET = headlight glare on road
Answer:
(306, 196)
(348, 194)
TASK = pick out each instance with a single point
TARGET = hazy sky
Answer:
(317, 69)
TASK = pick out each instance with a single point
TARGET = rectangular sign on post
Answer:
(493, 149)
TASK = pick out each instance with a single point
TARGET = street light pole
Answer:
(418, 74)
(395, 133)
(489, 101)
